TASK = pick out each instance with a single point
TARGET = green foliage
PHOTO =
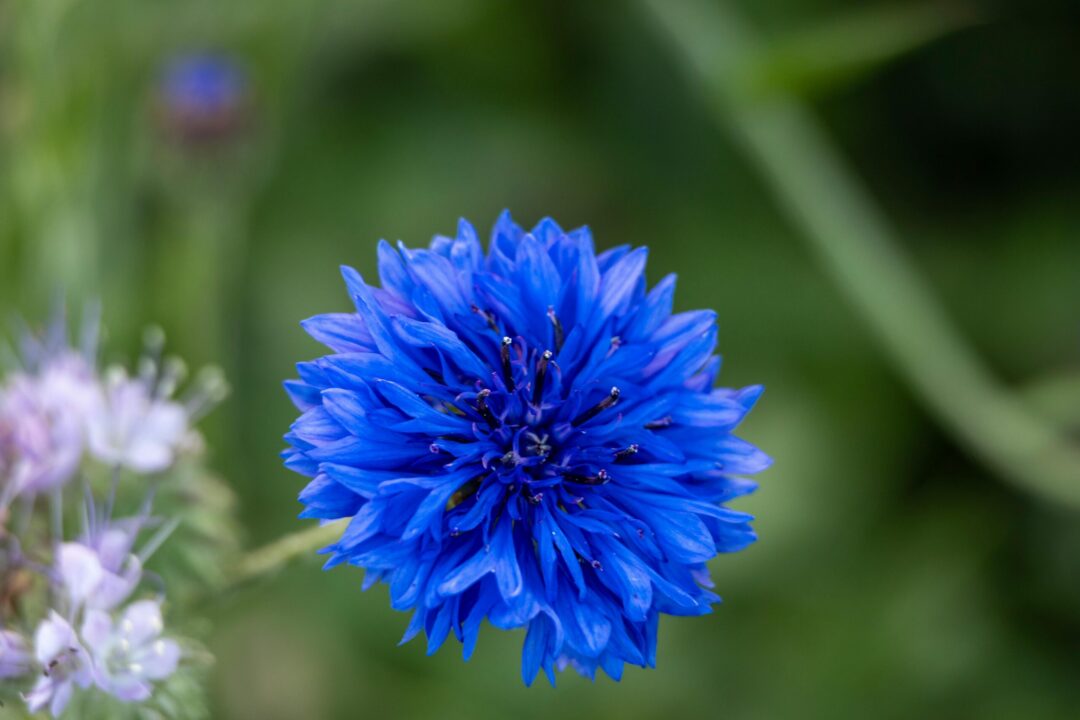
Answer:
(895, 575)
(196, 560)
(836, 52)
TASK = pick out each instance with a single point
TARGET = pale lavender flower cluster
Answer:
(103, 638)
(59, 409)
(64, 424)
(43, 424)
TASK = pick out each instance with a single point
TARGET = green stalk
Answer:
(1057, 397)
(855, 244)
(270, 558)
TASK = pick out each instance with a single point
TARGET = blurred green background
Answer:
(899, 571)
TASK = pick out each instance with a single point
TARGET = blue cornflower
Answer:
(203, 96)
(531, 437)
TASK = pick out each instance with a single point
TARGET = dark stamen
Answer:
(629, 451)
(507, 368)
(600, 478)
(558, 328)
(484, 410)
(541, 373)
(661, 423)
(489, 316)
(616, 343)
(511, 459)
(596, 409)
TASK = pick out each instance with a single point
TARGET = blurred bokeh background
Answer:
(207, 166)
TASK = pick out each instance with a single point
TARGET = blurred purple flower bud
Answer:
(203, 97)
(15, 659)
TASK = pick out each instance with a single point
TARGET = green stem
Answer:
(857, 247)
(272, 557)
(1057, 398)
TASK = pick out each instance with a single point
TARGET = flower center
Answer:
(530, 427)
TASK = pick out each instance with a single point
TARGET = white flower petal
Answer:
(141, 622)
(80, 571)
(160, 659)
(39, 695)
(114, 546)
(61, 697)
(96, 628)
(114, 588)
(129, 688)
(148, 456)
(53, 637)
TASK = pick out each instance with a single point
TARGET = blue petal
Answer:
(341, 332)
(497, 558)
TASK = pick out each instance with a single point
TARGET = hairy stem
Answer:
(855, 244)
(272, 557)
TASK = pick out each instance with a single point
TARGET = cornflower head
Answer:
(529, 436)
(203, 97)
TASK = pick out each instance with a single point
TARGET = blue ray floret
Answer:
(530, 437)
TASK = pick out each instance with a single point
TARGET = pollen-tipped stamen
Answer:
(611, 399)
(541, 374)
(484, 410)
(488, 316)
(558, 328)
(627, 452)
(600, 478)
(507, 368)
